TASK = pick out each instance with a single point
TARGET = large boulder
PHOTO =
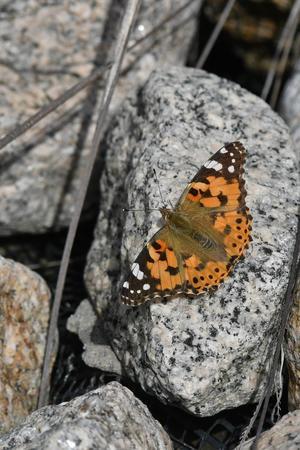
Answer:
(212, 352)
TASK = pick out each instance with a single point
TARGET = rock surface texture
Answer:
(45, 50)
(24, 313)
(212, 352)
(284, 435)
(109, 418)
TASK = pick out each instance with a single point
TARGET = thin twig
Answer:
(215, 34)
(158, 27)
(285, 311)
(120, 48)
(166, 34)
(44, 111)
(283, 63)
(294, 13)
(43, 265)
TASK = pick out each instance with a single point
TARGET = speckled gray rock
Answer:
(210, 353)
(290, 105)
(45, 48)
(24, 314)
(84, 323)
(108, 418)
(284, 435)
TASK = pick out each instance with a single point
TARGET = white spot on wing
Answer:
(223, 150)
(126, 285)
(140, 275)
(135, 269)
(213, 165)
(218, 166)
(146, 287)
(231, 169)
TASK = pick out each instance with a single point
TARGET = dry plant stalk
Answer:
(215, 34)
(283, 40)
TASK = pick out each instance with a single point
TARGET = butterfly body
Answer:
(202, 237)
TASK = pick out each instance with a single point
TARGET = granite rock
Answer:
(283, 435)
(212, 352)
(24, 314)
(108, 418)
(84, 324)
(46, 48)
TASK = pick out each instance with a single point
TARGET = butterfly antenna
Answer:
(139, 210)
(156, 179)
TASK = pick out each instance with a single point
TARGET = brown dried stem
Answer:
(215, 34)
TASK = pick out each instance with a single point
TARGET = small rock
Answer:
(212, 352)
(283, 435)
(24, 314)
(107, 418)
(84, 323)
(45, 48)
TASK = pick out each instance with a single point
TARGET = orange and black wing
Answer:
(215, 200)
(155, 272)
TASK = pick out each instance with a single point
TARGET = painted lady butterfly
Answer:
(203, 236)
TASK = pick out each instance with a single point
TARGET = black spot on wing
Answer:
(223, 199)
(193, 192)
(227, 229)
(172, 270)
(162, 256)
(156, 245)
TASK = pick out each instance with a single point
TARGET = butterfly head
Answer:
(166, 213)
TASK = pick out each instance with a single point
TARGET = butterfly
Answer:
(203, 236)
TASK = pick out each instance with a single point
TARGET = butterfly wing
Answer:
(156, 272)
(215, 203)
